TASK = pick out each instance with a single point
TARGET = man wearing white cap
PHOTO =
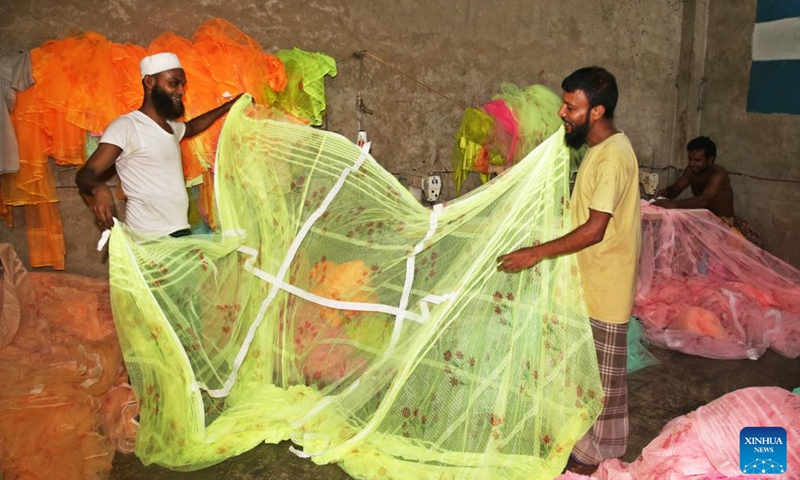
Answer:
(144, 145)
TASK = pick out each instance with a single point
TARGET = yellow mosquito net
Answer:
(332, 309)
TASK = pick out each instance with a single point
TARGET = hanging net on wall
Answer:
(333, 309)
(505, 130)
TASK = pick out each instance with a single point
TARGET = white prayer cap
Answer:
(159, 62)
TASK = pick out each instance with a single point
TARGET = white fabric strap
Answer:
(299, 453)
(249, 265)
(106, 235)
(409, 281)
(287, 261)
(329, 302)
(103, 239)
(235, 232)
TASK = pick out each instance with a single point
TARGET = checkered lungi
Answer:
(608, 437)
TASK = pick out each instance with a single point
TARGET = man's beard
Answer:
(577, 137)
(164, 105)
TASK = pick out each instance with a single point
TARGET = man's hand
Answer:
(519, 260)
(103, 206)
(664, 203)
(90, 182)
(234, 99)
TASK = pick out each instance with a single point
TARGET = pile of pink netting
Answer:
(65, 405)
(704, 445)
(705, 290)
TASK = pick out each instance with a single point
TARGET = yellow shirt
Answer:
(608, 181)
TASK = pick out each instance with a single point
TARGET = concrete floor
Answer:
(657, 394)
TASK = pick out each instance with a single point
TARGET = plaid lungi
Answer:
(740, 226)
(608, 437)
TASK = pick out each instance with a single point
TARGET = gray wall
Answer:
(463, 48)
(754, 144)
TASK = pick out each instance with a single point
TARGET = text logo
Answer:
(762, 450)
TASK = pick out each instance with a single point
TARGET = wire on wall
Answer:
(736, 174)
(361, 54)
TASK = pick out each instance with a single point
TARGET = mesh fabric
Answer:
(505, 130)
(703, 289)
(64, 406)
(335, 310)
(535, 108)
(706, 440)
(85, 81)
(304, 95)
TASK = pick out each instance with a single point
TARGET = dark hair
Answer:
(703, 143)
(599, 86)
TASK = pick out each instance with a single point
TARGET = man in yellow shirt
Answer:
(606, 237)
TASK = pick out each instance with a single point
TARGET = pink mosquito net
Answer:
(705, 290)
(704, 444)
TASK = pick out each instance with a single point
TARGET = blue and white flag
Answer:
(775, 72)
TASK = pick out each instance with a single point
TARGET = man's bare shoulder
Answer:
(713, 171)
(718, 171)
(716, 168)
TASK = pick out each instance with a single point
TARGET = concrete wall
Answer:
(463, 48)
(749, 145)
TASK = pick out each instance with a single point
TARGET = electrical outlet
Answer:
(649, 182)
(427, 187)
(432, 187)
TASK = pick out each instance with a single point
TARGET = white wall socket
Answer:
(432, 187)
(649, 182)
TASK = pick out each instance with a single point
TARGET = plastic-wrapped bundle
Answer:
(638, 356)
(335, 310)
(703, 289)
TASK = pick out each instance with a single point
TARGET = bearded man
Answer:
(144, 146)
(607, 230)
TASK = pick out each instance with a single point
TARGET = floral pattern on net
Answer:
(328, 341)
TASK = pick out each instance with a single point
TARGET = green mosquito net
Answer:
(332, 309)
(504, 130)
(304, 95)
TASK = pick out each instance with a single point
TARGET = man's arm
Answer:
(200, 124)
(676, 188)
(704, 200)
(90, 183)
(586, 235)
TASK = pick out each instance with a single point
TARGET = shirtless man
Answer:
(710, 183)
